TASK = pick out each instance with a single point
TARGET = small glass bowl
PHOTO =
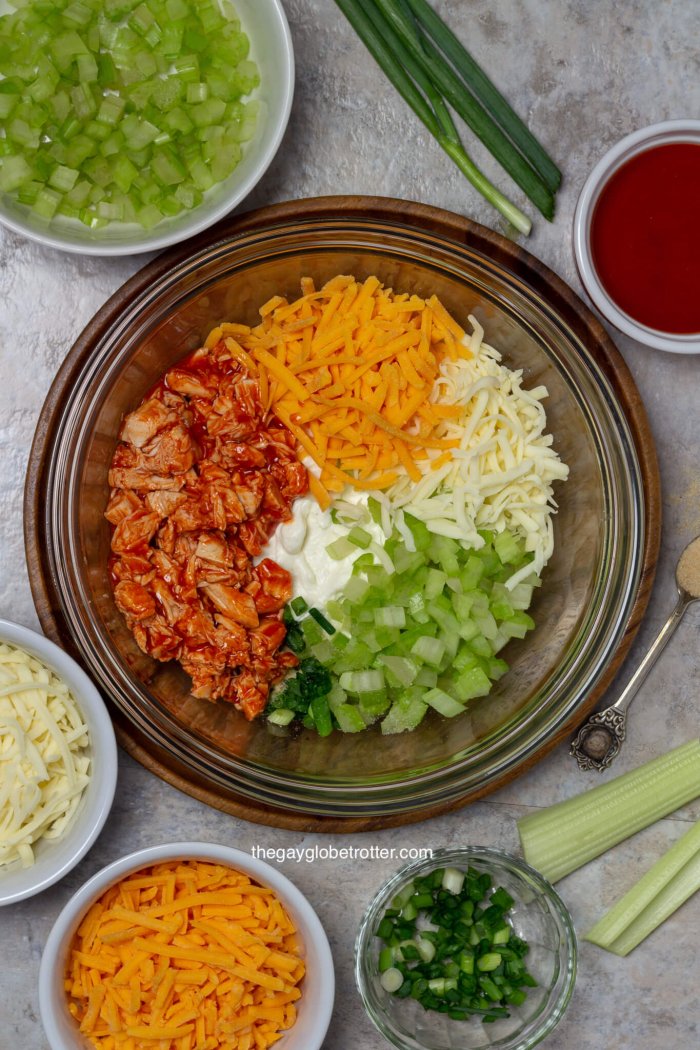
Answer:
(669, 131)
(538, 917)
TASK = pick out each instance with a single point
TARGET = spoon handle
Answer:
(599, 739)
(663, 637)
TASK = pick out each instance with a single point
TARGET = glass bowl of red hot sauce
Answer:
(637, 236)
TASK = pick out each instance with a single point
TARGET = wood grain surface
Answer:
(462, 231)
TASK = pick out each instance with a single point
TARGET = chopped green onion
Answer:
(391, 980)
(281, 717)
(322, 621)
(439, 946)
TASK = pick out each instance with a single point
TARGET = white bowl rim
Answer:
(227, 204)
(665, 131)
(91, 705)
(310, 924)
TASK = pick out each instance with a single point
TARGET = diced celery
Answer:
(429, 650)
(14, 171)
(137, 132)
(443, 703)
(404, 717)
(95, 130)
(402, 668)
(63, 178)
(374, 704)
(112, 145)
(46, 203)
(167, 168)
(470, 684)
(508, 548)
(201, 175)
(111, 109)
(197, 92)
(421, 533)
(481, 646)
(77, 13)
(87, 68)
(208, 112)
(355, 589)
(486, 624)
(20, 132)
(149, 216)
(313, 633)
(426, 678)
(7, 103)
(435, 583)
(349, 719)
(188, 195)
(340, 548)
(186, 67)
(27, 192)
(362, 682)
(83, 101)
(110, 210)
(390, 616)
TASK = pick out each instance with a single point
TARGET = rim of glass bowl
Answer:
(459, 857)
(599, 634)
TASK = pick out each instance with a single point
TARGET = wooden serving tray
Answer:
(425, 218)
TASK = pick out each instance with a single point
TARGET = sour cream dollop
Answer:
(300, 546)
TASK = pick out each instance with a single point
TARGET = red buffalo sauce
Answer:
(645, 237)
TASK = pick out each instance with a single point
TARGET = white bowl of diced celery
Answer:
(127, 126)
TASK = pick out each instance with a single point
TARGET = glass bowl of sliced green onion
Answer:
(468, 949)
(127, 126)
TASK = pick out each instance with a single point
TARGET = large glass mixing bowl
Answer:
(585, 610)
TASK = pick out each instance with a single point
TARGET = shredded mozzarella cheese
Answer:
(500, 477)
(43, 765)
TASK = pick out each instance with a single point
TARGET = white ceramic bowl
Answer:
(318, 988)
(56, 857)
(656, 135)
(267, 28)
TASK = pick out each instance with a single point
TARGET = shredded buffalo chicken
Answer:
(199, 482)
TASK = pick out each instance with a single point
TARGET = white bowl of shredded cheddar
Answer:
(58, 763)
(187, 946)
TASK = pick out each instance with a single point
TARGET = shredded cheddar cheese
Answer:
(350, 370)
(186, 955)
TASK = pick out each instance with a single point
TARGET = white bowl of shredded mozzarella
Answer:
(58, 763)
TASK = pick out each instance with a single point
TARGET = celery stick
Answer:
(669, 883)
(561, 838)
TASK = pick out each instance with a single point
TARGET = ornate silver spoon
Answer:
(599, 740)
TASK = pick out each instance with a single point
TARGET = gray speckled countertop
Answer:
(584, 73)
